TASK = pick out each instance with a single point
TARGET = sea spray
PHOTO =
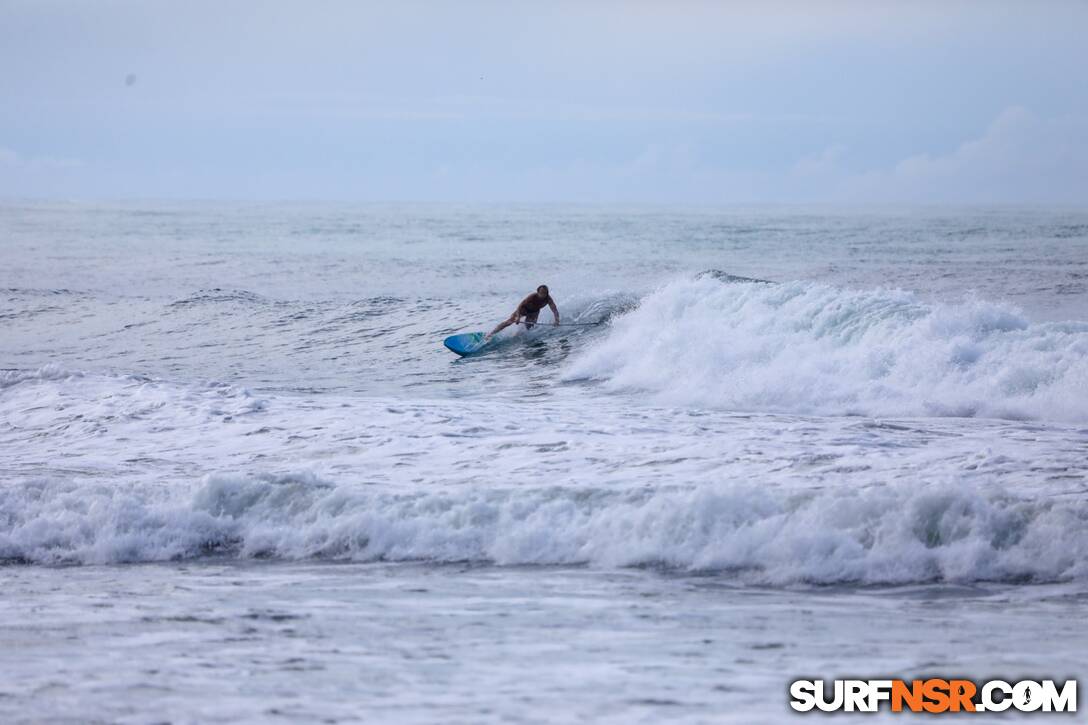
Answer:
(896, 534)
(811, 348)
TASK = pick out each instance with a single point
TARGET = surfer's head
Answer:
(542, 291)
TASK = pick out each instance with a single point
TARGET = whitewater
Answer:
(240, 472)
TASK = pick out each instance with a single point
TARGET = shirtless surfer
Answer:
(529, 309)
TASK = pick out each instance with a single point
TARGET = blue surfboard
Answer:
(466, 344)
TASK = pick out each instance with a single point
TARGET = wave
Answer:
(883, 535)
(39, 292)
(816, 349)
(51, 371)
(217, 295)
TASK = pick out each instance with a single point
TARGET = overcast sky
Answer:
(727, 102)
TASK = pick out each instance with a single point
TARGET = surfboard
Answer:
(466, 343)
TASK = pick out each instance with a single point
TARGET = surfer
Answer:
(528, 310)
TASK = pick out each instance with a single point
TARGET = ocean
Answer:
(241, 480)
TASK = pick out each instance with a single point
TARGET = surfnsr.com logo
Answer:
(933, 696)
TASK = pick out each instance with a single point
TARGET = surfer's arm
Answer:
(555, 311)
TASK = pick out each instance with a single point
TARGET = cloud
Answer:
(12, 159)
(820, 165)
(35, 176)
(1020, 157)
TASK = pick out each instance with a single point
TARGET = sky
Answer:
(601, 102)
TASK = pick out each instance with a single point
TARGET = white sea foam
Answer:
(900, 534)
(770, 499)
(52, 371)
(816, 349)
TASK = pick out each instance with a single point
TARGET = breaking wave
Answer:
(52, 371)
(815, 349)
(881, 535)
